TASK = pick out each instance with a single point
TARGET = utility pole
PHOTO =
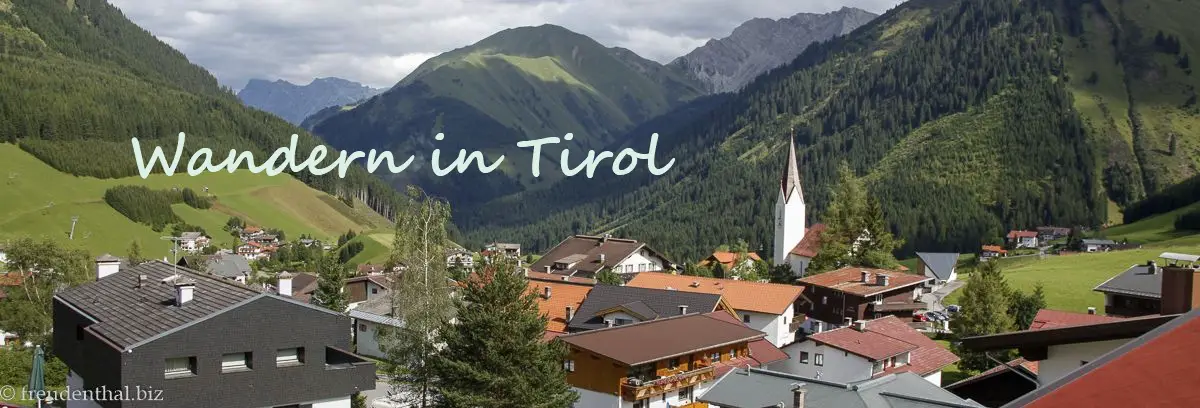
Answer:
(74, 219)
(174, 252)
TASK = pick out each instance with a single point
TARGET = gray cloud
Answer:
(378, 42)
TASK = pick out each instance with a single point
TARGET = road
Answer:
(933, 300)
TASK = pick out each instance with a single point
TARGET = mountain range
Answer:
(294, 102)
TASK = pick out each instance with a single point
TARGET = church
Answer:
(796, 244)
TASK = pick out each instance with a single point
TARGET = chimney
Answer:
(881, 280)
(1180, 289)
(106, 265)
(546, 292)
(860, 325)
(570, 313)
(547, 268)
(1091, 310)
(566, 278)
(142, 281)
(608, 323)
(285, 284)
(798, 394)
(185, 288)
(525, 272)
(866, 277)
(682, 310)
(601, 258)
(849, 321)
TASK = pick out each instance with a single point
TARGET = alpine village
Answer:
(946, 203)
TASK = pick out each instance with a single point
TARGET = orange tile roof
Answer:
(1050, 319)
(994, 248)
(562, 294)
(11, 279)
(770, 298)
(811, 244)
(1022, 234)
(726, 258)
(849, 280)
(889, 336)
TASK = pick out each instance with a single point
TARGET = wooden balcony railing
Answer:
(633, 389)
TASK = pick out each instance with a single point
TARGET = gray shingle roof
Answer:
(378, 310)
(650, 303)
(127, 315)
(941, 263)
(1099, 242)
(228, 265)
(762, 388)
(1136, 281)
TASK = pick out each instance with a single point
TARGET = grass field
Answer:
(37, 200)
(376, 247)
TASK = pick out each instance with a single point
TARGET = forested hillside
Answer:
(964, 117)
(79, 80)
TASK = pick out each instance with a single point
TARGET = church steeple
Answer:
(791, 173)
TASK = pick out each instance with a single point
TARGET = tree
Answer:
(1024, 307)
(1075, 239)
(985, 307)
(495, 356)
(856, 232)
(134, 254)
(695, 269)
(606, 276)
(331, 281)
(48, 267)
(358, 400)
(782, 274)
(422, 299)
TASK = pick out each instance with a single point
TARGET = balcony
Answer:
(692, 405)
(633, 389)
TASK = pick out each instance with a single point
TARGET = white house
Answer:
(459, 257)
(193, 241)
(1023, 239)
(369, 318)
(795, 244)
(866, 350)
(940, 267)
(767, 307)
(3, 254)
(586, 255)
(1098, 245)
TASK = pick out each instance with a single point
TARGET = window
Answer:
(180, 367)
(235, 362)
(745, 318)
(374, 291)
(685, 394)
(824, 299)
(715, 357)
(641, 404)
(362, 327)
(732, 354)
(673, 363)
(621, 321)
(289, 357)
(876, 367)
(878, 298)
(569, 366)
(628, 268)
(803, 357)
(819, 359)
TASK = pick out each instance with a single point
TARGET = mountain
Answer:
(294, 102)
(519, 84)
(758, 45)
(965, 118)
(79, 80)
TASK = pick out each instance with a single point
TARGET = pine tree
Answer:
(495, 356)
(134, 254)
(1024, 307)
(422, 299)
(331, 279)
(606, 276)
(985, 306)
(856, 232)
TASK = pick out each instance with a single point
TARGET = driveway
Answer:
(933, 300)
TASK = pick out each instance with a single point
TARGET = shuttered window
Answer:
(180, 367)
(289, 357)
(235, 362)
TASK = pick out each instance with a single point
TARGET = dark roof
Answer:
(303, 286)
(849, 280)
(1099, 242)
(886, 337)
(1079, 333)
(228, 265)
(654, 340)
(810, 245)
(940, 263)
(1138, 280)
(1029, 368)
(1151, 371)
(648, 303)
(754, 388)
(128, 316)
(584, 252)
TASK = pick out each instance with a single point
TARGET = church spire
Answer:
(791, 173)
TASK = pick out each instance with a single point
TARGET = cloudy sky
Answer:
(378, 42)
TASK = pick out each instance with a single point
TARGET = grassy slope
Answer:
(30, 186)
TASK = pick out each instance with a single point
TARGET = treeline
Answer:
(1038, 166)
(1170, 199)
(1189, 221)
(153, 207)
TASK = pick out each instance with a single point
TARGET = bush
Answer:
(1189, 221)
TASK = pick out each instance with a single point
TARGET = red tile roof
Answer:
(1022, 234)
(11, 279)
(994, 248)
(562, 294)
(726, 258)
(769, 298)
(761, 350)
(886, 337)
(1158, 372)
(811, 244)
(849, 280)
(1049, 319)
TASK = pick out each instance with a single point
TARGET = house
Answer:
(1145, 372)
(253, 250)
(868, 349)
(999, 385)
(544, 276)
(7, 338)
(757, 388)
(459, 257)
(992, 251)
(766, 307)
(363, 288)
(1139, 290)
(157, 326)
(224, 264)
(299, 286)
(585, 255)
(727, 259)
(10, 281)
(507, 249)
(193, 241)
(308, 243)
(369, 318)
(1098, 245)
(608, 305)
(939, 267)
(660, 363)
(795, 243)
(849, 294)
(558, 301)
(1022, 239)
(1047, 234)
